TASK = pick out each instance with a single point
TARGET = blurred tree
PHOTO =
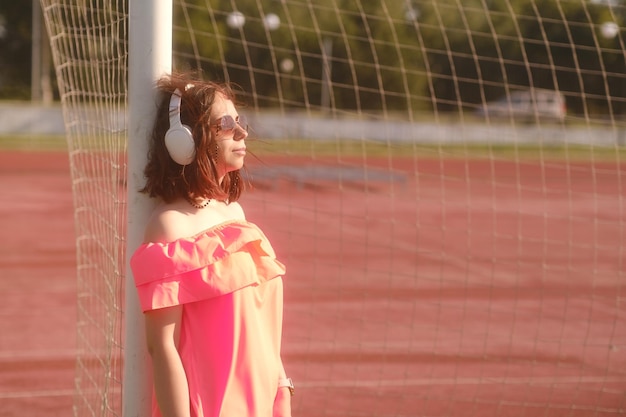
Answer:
(338, 57)
(450, 55)
(446, 55)
(15, 49)
(479, 49)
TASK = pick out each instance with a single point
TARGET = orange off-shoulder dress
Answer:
(229, 283)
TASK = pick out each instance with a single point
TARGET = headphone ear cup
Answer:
(179, 139)
(180, 145)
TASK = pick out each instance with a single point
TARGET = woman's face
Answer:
(229, 136)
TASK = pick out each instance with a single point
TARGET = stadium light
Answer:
(412, 14)
(271, 21)
(287, 65)
(237, 20)
(609, 30)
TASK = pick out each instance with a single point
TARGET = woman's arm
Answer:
(170, 381)
(282, 402)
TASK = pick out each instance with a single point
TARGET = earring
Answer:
(216, 152)
(234, 181)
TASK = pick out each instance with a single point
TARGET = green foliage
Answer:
(451, 55)
(541, 43)
(505, 152)
(454, 56)
(32, 143)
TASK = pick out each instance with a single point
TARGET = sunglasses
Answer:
(229, 125)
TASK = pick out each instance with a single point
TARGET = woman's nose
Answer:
(240, 132)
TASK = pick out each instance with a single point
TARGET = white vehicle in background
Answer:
(527, 105)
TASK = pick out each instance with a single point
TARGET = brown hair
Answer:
(167, 179)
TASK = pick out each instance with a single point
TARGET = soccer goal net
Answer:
(444, 179)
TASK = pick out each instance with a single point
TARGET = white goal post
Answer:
(150, 57)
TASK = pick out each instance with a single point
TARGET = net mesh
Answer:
(444, 180)
(88, 40)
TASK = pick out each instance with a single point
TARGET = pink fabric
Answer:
(229, 283)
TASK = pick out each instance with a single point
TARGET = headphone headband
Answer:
(175, 101)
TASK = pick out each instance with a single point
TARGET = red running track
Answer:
(469, 288)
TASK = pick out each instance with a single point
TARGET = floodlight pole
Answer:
(150, 56)
(35, 65)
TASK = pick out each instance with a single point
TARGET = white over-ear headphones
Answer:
(179, 139)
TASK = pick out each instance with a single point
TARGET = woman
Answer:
(208, 280)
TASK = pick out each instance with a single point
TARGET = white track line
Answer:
(466, 381)
(414, 382)
(39, 394)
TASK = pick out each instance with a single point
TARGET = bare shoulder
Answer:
(236, 211)
(170, 222)
(167, 223)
